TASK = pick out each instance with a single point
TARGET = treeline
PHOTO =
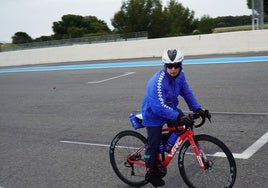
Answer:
(70, 26)
(136, 16)
(229, 21)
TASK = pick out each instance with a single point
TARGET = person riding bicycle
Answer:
(159, 107)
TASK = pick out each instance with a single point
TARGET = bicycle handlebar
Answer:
(193, 116)
(197, 116)
(136, 121)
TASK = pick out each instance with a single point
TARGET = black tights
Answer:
(154, 138)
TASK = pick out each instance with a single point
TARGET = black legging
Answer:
(154, 138)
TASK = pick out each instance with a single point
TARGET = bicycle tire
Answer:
(123, 145)
(221, 170)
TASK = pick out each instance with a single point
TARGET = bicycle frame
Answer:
(186, 135)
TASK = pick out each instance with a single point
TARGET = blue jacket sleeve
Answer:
(188, 95)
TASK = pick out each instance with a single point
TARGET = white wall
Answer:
(221, 43)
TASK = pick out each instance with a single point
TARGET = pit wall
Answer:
(220, 43)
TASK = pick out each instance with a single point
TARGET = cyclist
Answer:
(159, 106)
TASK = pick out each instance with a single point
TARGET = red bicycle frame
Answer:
(187, 134)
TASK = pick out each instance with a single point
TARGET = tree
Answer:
(205, 25)
(119, 20)
(21, 37)
(44, 38)
(148, 15)
(74, 26)
(229, 21)
(157, 26)
(94, 25)
(181, 20)
(132, 17)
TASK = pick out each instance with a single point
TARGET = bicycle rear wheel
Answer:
(129, 145)
(220, 164)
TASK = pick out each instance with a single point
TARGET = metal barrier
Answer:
(77, 41)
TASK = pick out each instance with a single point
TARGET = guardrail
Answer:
(77, 41)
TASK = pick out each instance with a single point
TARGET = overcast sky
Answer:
(35, 17)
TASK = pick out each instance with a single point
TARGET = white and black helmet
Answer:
(172, 56)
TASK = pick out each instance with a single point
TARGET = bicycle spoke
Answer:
(126, 156)
(220, 170)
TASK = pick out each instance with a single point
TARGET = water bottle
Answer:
(134, 121)
(171, 141)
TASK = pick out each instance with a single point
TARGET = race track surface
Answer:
(56, 126)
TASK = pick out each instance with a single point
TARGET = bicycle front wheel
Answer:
(127, 157)
(220, 164)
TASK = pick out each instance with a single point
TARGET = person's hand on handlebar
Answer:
(186, 120)
(203, 113)
(200, 111)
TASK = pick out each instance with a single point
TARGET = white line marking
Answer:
(100, 81)
(250, 150)
(84, 143)
(244, 155)
(93, 144)
(236, 113)
(241, 113)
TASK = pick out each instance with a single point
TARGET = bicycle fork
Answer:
(199, 153)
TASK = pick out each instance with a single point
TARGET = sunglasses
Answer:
(175, 65)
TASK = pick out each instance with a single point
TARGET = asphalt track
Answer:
(56, 126)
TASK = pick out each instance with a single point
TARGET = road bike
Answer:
(203, 160)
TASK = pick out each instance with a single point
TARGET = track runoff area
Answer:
(246, 154)
(247, 151)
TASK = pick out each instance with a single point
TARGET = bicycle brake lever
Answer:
(208, 115)
(209, 119)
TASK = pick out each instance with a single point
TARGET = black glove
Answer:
(172, 123)
(201, 112)
(186, 120)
